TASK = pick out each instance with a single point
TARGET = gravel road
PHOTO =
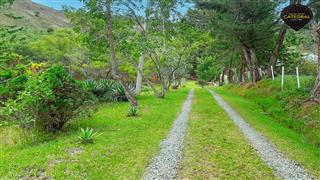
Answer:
(166, 164)
(284, 167)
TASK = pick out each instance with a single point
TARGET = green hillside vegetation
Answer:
(27, 14)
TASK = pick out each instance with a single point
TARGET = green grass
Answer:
(215, 148)
(291, 143)
(289, 107)
(122, 151)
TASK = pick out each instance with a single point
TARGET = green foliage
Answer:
(118, 93)
(4, 2)
(133, 111)
(100, 88)
(12, 87)
(308, 68)
(87, 135)
(107, 90)
(207, 68)
(62, 46)
(49, 100)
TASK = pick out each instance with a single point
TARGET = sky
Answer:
(58, 4)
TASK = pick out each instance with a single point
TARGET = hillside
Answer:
(25, 13)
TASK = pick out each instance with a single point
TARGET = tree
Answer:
(245, 25)
(98, 23)
(208, 69)
(281, 36)
(315, 93)
(114, 66)
(157, 33)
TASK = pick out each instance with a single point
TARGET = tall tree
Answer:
(114, 64)
(96, 21)
(315, 5)
(281, 36)
(245, 24)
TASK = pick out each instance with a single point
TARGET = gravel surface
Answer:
(284, 167)
(166, 164)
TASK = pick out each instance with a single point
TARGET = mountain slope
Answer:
(25, 13)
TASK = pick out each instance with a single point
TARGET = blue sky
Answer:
(57, 4)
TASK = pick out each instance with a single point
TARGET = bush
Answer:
(49, 100)
(12, 87)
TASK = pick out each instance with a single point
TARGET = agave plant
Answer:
(133, 111)
(87, 135)
(106, 84)
(118, 93)
(89, 85)
(100, 88)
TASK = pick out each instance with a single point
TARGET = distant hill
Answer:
(25, 13)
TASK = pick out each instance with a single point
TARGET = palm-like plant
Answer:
(133, 111)
(118, 93)
(87, 135)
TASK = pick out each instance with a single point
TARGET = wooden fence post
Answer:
(272, 73)
(282, 78)
(298, 79)
(260, 72)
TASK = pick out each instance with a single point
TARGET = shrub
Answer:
(202, 83)
(49, 100)
(12, 87)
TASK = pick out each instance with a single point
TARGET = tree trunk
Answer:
(230, 75)
(255, 68)
(240, 75)
(113, 58)
(242, 70)
(163, 89)
(247, 58)
(275, 52)
(139, 75)
(222, 78)
(315, 94)
(142, 57)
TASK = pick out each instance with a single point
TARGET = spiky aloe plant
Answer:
(118, 93)
(133, 111)
(87, 135)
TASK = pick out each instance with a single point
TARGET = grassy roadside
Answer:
(121, 152)
(215, 148)
(289, 107)
(294, 145)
